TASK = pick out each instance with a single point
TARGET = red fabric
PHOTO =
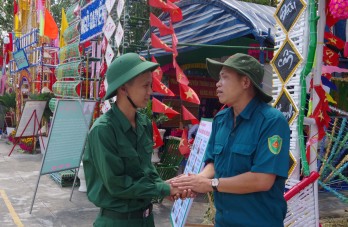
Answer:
(102, 90)
(160, 107)
(159, 87)
(180, 75)
(345, 52)
(187, 115)
(184, 147)
(175, 12)
(156, 136)
(334, 40)
(159, 4)
(158, 73)
(51, 28)
(330, 57)
(163, 29)
(158, 43)
(15, 7)
(174, 45)
(187, 94)
(330, 20)
(320, 115)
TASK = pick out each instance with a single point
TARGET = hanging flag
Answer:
(42, 24)
(330, 57)
(39, 9)
(158, 4)
(163, 29)
(175, 12)
(173, 1)
(180, 75)
(174, 44)
(330, 99)
(63, 25)
(187, 115)
(334, 40)
(50, 28)
(160, 107)
(321, 118)
(159, 87)
(156, 136)
(158, 73)
(158, 43)
(184, 147)
(325, 81)
(330, 20)
(187, 94)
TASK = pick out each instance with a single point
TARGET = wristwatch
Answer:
(215, 184)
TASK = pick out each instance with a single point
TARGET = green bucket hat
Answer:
(123, 69)
(245, 65)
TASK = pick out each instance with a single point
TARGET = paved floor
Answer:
(18, 179)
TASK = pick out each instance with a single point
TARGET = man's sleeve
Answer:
(272, 154)
(209, 157)
(110, 168)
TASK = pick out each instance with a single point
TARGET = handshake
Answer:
(187, 186)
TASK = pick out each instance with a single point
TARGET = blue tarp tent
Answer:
(218, 21)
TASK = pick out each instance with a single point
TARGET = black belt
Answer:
(138, 214)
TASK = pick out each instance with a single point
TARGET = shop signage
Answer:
(21, 60)
(93, 17)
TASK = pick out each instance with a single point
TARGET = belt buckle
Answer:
(146, 213)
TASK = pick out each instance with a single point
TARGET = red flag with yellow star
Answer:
(187, 94)
(160, 107)
(158, 73)
(174, 45)
(320, 115)
(187, 115)
(330, 57)
(159, 87)
(158, 43)
(156, 136)
(163, 29)
(334, 40)
(180, 75)
(175, 12)
(184, 147)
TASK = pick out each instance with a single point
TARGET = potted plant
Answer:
(8, 101)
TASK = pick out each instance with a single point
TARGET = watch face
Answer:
(214, 182)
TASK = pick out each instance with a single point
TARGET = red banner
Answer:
(204, 87)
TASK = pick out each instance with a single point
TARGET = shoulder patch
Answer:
(275, 144)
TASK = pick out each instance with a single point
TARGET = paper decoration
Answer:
(285, 104)
(109, 55)
(120, 6)
(331, 69)
(119, 35)
(339, 9)
(109, 4)
(109, 27)
(286, 61)
(288, 12)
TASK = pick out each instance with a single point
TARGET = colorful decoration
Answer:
(339, 9)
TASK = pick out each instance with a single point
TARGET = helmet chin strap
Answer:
(131, 102)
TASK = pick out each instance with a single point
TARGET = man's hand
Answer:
(195, 183)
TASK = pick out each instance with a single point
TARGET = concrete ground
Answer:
(18, 179)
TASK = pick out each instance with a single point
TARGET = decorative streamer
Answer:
(339, 169)
(313, 19)
(334, 149)
(333, 169)
(338, 195)
(328, 149)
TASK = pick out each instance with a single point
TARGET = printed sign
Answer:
(285, 105)
(286, 61)
(93, 17)
(288, 12)
(28, 125)
(21, 60)
(194, 165)
(67, 136)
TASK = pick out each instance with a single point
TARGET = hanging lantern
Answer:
(339, 9)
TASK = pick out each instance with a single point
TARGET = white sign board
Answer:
(29, 122)
(194, 165)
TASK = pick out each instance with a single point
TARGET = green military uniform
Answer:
(119, 174)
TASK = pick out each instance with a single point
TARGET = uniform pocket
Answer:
(241, 157)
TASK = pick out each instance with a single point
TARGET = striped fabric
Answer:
(217, 21)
